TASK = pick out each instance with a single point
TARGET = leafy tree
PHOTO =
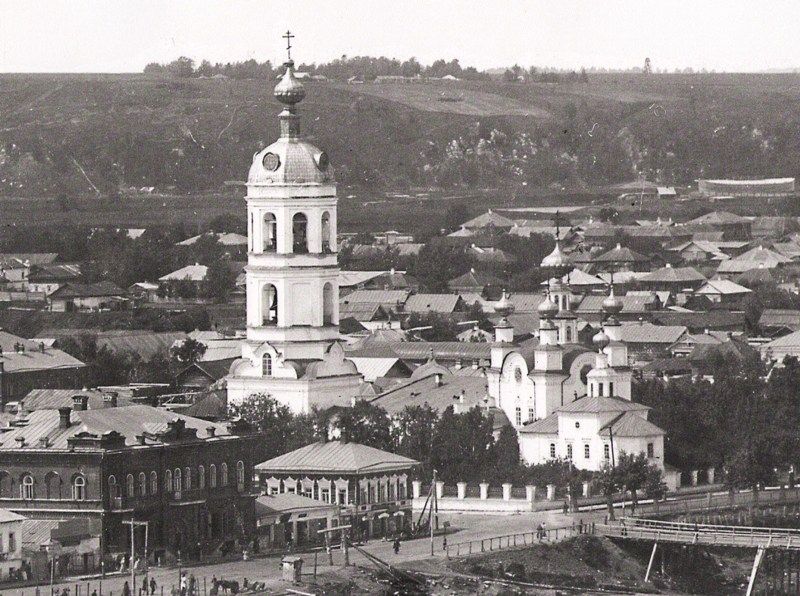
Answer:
(364, 423)
(220, 279)
(463, 445)
(413, 431)
(636, 473)
(441, 327)
(186, 352)
(609, 481)
(506, 455)
(182, 67)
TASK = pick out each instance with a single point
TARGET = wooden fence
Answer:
(493, 543)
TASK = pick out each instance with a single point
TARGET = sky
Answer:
(123, 36)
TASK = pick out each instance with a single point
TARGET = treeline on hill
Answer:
(366, 68)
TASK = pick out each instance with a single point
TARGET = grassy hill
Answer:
(68, 134)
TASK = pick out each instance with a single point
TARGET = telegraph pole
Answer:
(434, 507)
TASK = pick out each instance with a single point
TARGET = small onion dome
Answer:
(555, 258)
(289, 90)
(575, 301)
(601, 340)
(547, 325)
(547, 308)
(504, 306)
(612, 305)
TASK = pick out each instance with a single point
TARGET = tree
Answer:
(188, 351)
(182, 67)
(462, 446)
(636, 473)
(413, 432)
(364, 423)
(433, 326)
(220, 279)
(506, 455)
(609, 482)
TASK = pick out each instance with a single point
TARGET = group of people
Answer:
(541, 531)
(147, 588)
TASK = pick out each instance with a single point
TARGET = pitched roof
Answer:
(722, 286)
(54, 272)
(421, 391)
(712, 319)
(52, 399)
(631, 303)
(34, 358)
(631, 424)
(576, 277)
(779, 317)
(362, 311)
(337, 457)
(490, 218)
(620, 254)
(224, 238)
(760, 254)
(670, 274)
(374, 368)
(190, 272)
(598, 404)
(33, 258)
(439, 303)
(545, 426)
(354, 278)
(647, 333)
(473, 279)
(129, 421)
(384, 297)
(145, 344)
(719, 218)
(791, 340)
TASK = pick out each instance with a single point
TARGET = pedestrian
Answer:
(544, 530)
(152, 586)
(444, 543)
(245, 584)
(565, 508)
(396, 545)
(183, 583)
(94, 592)
(126, 590)
(580, 526)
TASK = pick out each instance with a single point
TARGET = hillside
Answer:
(63, 134)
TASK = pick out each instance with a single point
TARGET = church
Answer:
(292, 352)
(565, 401)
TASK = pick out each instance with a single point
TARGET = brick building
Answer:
(189, 478)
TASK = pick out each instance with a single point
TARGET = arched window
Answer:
(326, 233)
(26, 487)
(187, 478)
(270, 232)
(223, 471)
(177, 484)
(240, 476)
(552, 450)
(299, 233)
(112, 487)
(168, 481)
(78, 488)
(52, 485)
(269, 305)
(153, 483)
(142, 484)
(201, 477)
(569, 335)
(266, 365)
(130, 486)
(327, 304)
(5, 484)
(212, 476)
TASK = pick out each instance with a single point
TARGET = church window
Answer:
(26, 488)
(79, 488)
(266, 365)
(201, 476)
(112, 486)
(153, 483)
(269, 305)
(327, 304)
(650, 450)
(606, 452)
(299, 233)
(600, 389)
(270, 231)
(569, 335)
(130, 486)
(518, 417)
(326, 233)
(569, 451)
(224, 474)
(177, 485)
(531, 414)
(577, 424)
(611, 389)
(586, 453)
(552, 450)
(212, 476)
(240, 476)
(518, 374)
(168, 481)
(187, 478)
(142, 484)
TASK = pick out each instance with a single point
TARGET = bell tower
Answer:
(292, 271)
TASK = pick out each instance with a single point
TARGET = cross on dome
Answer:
(288, 37)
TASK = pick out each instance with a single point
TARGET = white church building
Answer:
(292, 351)
(565, 401)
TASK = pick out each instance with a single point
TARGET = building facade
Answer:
(292, 276)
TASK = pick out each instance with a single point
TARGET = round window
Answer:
(271, 162)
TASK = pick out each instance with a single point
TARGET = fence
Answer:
(712, 502)
(482, 545)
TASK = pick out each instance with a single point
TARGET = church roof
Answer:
(620, 254)
(598, 404)
(337, 457)
(545, 426)
(670, 274)
(631, 424)
(488, 219)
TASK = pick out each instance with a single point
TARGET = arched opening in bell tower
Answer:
(269, 305)
(300, 233)
(327, 304)
(270, 231)
(326, 233)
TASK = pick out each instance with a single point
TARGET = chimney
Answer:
(80, 402)
(141, 439)
(41, 347)
(462, 396)
(110, 400)
(475, 364)
(63, 417)
(437, 379)
(20, 442)
(458, 364)
(211, 430)
(44, 442)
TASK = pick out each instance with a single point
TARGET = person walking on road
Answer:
(126, 590)
(396, 545)
(152, 586)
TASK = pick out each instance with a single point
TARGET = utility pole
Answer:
(134, 524)
(434, 507)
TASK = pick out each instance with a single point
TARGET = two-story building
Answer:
(10, 544)
(189, 479)
(370, 486)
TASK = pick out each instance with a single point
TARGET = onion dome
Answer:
(547, 325)
(289, 90)
(612, 305)
(504, 306)
(601, 340)
(547, 308)
(555, 258)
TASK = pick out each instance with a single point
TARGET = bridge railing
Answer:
(693, 527)
(691, 537)
(482, 545)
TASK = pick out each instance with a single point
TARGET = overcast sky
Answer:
(122, 36)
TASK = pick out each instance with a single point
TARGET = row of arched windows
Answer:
(299, 233)
(176, 481)
(51, 489)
